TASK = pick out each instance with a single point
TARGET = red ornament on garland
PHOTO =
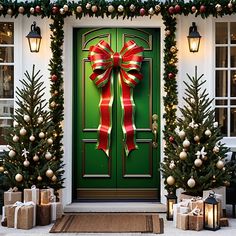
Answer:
(171, 75)
(202, 9)
(37, 9)
(55, 10)
(177, 8)
(54, 78)
(171, 10)
(142, 11)
(171, 139)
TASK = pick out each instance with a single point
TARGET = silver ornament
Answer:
(220, 164)
(198, 162)
(32, 138)
(49, 173)
(18, 177)
(26, 163)
(182, 134)
(15, 138)
(183, 155)
(191, 182)
(186, 143)
(23, 131)
(41, 135)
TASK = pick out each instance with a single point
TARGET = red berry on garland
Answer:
(171, 139)
(177, 8)
(55, 10)
(171, 10)
(142, 11)
(37, 9)
(171, 75)
(193, 9)
(202, 9)
(54, 78)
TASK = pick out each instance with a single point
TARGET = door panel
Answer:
(96, 175)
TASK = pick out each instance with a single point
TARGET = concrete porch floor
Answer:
(169, 229)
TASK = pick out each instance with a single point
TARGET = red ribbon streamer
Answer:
(103, 60)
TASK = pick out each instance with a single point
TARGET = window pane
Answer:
(6, 33)
(3, 129)
(221, 117)
(233, 56)
(233, 122)
(221, 33)
(6, 108)
(233, 102)
(221, 102)
(6, 81)
(6, 54)
(221, 83)
(233, 84)
(221, 57)
(233, 32)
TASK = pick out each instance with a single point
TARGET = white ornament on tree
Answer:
(215, 124)
(110, 8)
(208, 132)
(186, 143)
(15, 138)
(191, 182)
(11, 153)
(26, 118)
(120, 8)
(216, 149)
(39, 178)
(132, 8)
(182, 134)
(15, 123)
(198, 162)
(40, 119)
(41, 135)
(32, 138)
(170, 180)
(18, 177)
(48, 155)
(49, 173)
(26, 163)
(172, 165)
(183, 155)
(54, 178)
(23, 131)
(220, 164)
(35, 157)
(50, 141)
(196, 138)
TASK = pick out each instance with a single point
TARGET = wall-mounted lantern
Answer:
(34, 38)
(193, 38)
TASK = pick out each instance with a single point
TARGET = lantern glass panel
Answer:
(193, 44)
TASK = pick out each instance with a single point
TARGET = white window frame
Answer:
(17, 62)
(230, 141)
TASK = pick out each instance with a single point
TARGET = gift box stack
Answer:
(188, 214)
(32, 207)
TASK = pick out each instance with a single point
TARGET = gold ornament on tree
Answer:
(18, 177)
(183, 155)
(23, 131)
(170, 180)
(49, 173)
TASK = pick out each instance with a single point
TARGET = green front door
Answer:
(96, 176)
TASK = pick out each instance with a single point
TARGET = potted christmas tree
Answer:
(31, 158)
(194, 155)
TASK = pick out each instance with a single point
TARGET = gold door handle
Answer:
(154, 130)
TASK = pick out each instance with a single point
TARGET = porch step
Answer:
(115, 207)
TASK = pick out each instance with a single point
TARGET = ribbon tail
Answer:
(104, 129)
(128, 110)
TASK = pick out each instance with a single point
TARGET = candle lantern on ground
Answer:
(211, 213)
(171, 200)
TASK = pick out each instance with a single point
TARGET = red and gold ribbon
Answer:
(128, 62)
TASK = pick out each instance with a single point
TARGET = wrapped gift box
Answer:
(195, 222)
(31, 194)
(182, 221)
(43, 214)
(12, 197)
(56, 211)
(45, 196)
(181, 207)
(20, 217)
(196, 204)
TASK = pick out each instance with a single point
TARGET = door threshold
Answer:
(79, 207)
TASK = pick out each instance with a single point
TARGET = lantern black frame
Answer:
(171, 200)
(193, 36)
(214, 205)
(34, 34)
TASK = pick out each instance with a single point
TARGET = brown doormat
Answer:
(108, 223)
